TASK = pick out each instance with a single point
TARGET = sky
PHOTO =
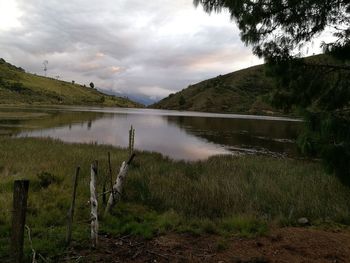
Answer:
(141, 49)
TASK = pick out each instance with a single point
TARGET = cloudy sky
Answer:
(133, 47)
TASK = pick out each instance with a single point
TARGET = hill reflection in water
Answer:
(179, 137)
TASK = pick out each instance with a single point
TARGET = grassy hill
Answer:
(243, 91)
(19, 87)
(238, 92)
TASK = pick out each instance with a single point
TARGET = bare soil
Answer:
(290, 244)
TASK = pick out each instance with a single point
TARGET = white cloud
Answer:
(9, 15)
(151, 48)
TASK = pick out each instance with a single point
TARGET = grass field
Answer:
(224, 195)
(20, 88)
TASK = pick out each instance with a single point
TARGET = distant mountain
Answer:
(19, 87)
(143, 99)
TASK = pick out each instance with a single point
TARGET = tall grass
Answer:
(224, 194)
(225, 186)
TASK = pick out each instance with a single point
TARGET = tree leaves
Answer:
(320, 86)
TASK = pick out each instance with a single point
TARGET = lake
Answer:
(178, 135)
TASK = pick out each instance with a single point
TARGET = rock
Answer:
(303, 221)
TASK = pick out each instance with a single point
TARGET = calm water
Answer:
(179, 135)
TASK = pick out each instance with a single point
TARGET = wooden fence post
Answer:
(110, 172)
(131, 140)
(104, 198)
(118, 186)
(20, 196)
(71, 209)
(94, 205)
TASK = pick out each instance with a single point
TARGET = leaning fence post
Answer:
(71, 209)
(20, 196)
(94, 205)
(118, 186)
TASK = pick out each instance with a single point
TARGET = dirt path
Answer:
(281, 245)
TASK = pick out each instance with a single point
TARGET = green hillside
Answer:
(243, 91)
(238, 92)
(18, 87)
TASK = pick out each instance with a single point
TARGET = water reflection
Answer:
(179, 136)
(153, 133)
(244, 134)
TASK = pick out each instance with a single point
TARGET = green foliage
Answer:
(245, 226)
(46, 179)
(182, 100)
(323, 95)
(277, 28)
(328, 137)
(3, 62)
(321, 89)
(16, 86)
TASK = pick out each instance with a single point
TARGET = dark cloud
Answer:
(150, 48)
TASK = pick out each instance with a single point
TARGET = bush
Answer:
(17, 87)
(46, 179)
(182, 100)
(2, 83)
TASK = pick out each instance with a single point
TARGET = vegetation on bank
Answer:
(18, 87)
(224, 195)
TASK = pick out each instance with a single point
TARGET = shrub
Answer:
(46, 179)
(182, 100)
(17, 87)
